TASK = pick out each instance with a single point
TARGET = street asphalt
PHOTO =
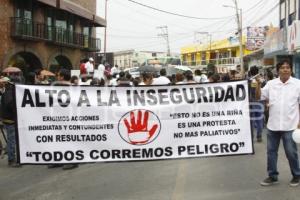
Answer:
(217, 178)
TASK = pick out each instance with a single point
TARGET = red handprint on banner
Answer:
(138, 132)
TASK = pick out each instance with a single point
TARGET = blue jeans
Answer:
(11, 141)
(257, 118)
(290, 149)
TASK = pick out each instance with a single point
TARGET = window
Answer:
(71, 23)
(299, 9)
(23, 9)
(86, 32)
(23, 14)
(49, 19)
(282, 14)
(282, 10)
(193, 57)
(61, 26)
(292, 11)
(233, 53)
(292, 6)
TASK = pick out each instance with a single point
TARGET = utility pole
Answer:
(164, 34)
(240, 31)
(104, 53)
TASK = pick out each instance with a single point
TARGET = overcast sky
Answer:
(132, 26)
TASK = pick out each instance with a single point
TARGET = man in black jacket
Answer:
(8, 114)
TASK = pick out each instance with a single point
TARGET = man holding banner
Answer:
(283, 96)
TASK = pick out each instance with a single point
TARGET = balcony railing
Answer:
(219, 62)
(29, 30)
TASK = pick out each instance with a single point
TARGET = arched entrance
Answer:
(59, 62)
(27, 62)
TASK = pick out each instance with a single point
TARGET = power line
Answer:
(178, 25)
(128, 17)
(151, 17)
(179, 15)
(254, 6)
(254, 14)
(207, 26)
(192, 17)
(153, 44)
(259, 3)
(130, 36)
(156, 43)
(258, 7)
(266, 14)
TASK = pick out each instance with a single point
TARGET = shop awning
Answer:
(276, 53)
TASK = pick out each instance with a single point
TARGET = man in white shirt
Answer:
(200, 77)
(100, 72)
(114, 70)
(162, 80)
(283, 97)
(89, 66)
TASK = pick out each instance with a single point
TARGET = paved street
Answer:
(226, 178)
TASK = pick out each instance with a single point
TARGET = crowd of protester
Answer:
(260, 85)
(112, 76)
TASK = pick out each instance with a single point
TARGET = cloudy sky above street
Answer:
(131, 25)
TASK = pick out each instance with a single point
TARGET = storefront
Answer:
(275, 47)
(293, 43)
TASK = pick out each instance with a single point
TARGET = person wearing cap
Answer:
(3, 81)
(89, 66)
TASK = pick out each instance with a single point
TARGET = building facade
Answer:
(290, 22)
(224, 54)
(48, 34)
(285, 42)
(132, 58)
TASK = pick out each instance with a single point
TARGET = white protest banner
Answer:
(71, 124)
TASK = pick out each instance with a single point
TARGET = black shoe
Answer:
(70, 166)
(269, 181)
(54, 166)
(259, 140)
(14, 164)
(294, 182)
